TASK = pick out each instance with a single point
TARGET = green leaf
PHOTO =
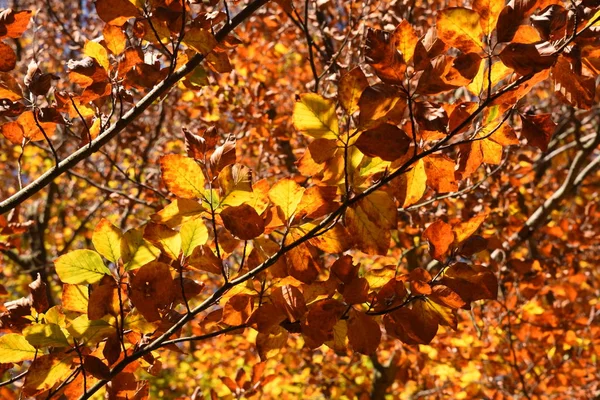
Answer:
(137, 251)
(15, 348)
(81, 266)
(90, 332)
(45, 335)
(193, 233)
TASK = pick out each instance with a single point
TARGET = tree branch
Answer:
(160, 89)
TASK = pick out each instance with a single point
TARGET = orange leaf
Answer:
(440, 173)
(238, 309)
(440, 236)
(182, 176)
(13, 23)
(370, 220)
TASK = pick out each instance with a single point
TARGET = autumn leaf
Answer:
(287, 195)
(460, 28)
(15, 348)
(81, 266)
(440, 236)
(316, 117)
(538, 129)
(243, 221)
(370, 222)
(107, 240)
(385, 141)
(364, 333)
(182, 176)
(351, 87)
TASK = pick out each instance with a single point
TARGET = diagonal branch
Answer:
(159, 90)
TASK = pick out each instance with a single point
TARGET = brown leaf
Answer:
(317, 328)
(538, 129)
(204, 259)
(223, 155)
(344, 270)
(375, 102)
(364, 333)
(38, 294)
(93, 365)
(356, 291)
(104, 299)
(575, 89)
(412, 325)
(243, 221)
(8, 58)
(386, 141)
(381, 54)
(152, 289)
(529, 58)
(291, 301)
(445, 296)
(471, 282)
(116, 12)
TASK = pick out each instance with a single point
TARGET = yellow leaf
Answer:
(80, 266)
(114, 38)
(200, 40)
(316, 117)
(183, 176)
(45, 371)
(136, 251)
(97, 52)
(15, 348)
(75, 298)
(107, 240)
(286, 194)
(369, 222)
(459, 27)
(166, 239)
(406, 39)
(90, 332)
(414, 183)
(178, 212)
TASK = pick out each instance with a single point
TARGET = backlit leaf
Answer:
(107, 240)
(182, 176)
(316, 117)
(80, 266)
(460, 28)
(15, 348)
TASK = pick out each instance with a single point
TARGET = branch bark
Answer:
(160, 89)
